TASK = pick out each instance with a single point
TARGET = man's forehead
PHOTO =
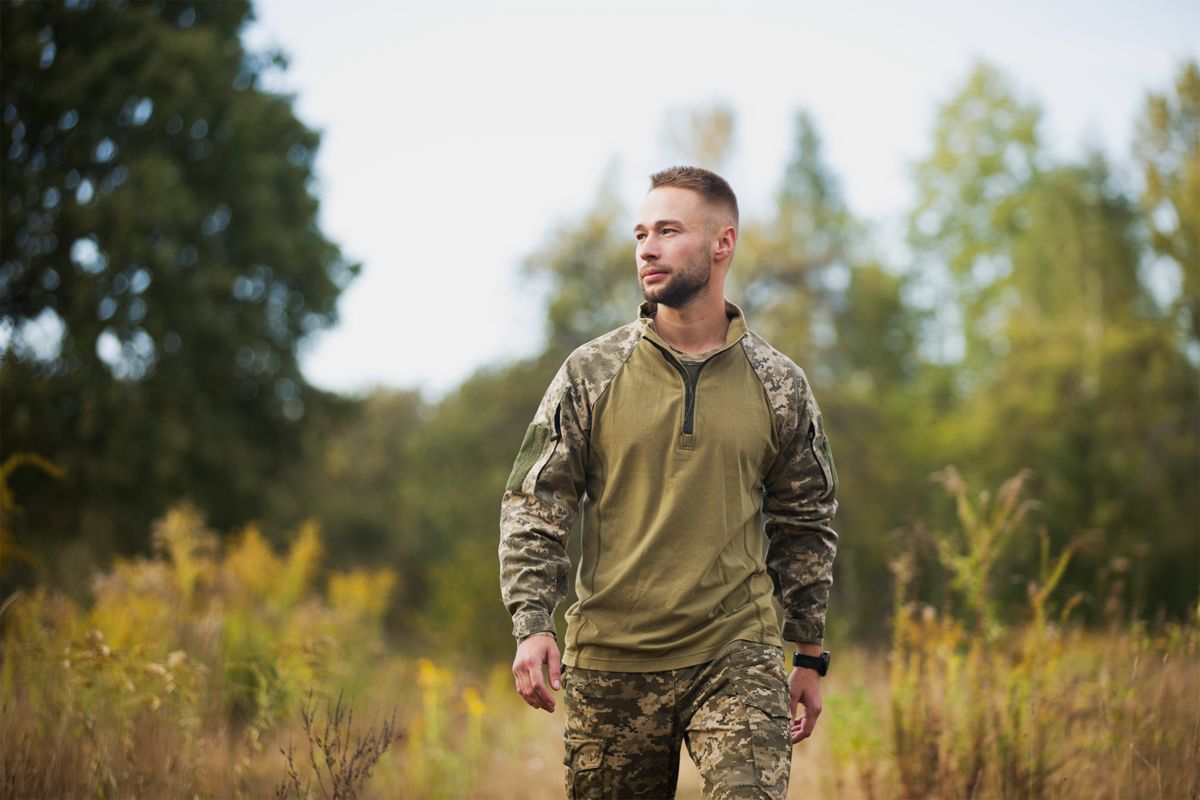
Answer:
(673, 203)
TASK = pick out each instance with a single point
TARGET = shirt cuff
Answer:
(531, 622)
(803, 631)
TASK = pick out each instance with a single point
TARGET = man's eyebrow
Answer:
(659, 224)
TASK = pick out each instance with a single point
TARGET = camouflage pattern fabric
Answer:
(624, 729)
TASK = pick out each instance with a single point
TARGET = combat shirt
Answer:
(706, 485)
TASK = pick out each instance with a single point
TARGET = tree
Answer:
(969, 206)
(160, 263)
(783, 267)
(1089, 388)
(352, 476)
(1168, 151)
(463, 458)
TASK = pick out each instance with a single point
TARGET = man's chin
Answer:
(658, 298)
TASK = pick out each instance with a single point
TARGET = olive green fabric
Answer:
(674, 561)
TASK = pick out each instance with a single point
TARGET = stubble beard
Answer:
(683, 285)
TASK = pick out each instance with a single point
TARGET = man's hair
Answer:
(709, 185)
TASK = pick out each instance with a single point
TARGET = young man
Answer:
(697, 454)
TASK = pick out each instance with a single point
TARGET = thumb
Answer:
(554, 664)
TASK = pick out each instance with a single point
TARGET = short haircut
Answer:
(709, 185)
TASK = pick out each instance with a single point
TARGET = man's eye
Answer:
(639, 236)
(669, 230)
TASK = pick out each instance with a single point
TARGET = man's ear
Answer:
(724, 243)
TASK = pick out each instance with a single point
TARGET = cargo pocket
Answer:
(583, 759)
(770, 740)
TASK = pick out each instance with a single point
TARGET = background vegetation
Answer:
(160, 264)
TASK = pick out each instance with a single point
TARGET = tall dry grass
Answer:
(1043, 709)
(195, 671)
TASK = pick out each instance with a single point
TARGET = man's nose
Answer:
(647, 250)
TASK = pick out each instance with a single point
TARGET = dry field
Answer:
(193, 672)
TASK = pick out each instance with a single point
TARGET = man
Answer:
(698, 456)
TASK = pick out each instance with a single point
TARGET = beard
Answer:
(682, 285)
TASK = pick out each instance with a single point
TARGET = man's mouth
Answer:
(651, 275)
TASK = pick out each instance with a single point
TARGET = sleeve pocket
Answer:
(818, 444)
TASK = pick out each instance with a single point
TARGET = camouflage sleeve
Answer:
(540, 503)
(800, 501)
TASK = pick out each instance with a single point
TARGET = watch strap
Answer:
(819, 663)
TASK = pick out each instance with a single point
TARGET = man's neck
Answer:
(694, 328)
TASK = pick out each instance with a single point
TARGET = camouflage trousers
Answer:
(624, 729)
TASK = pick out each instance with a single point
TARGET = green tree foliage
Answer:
(1168, 151)
(1071, 369)
(354, 477)
(465, 456)
(783, 266)
(969, 205)
(160, 263)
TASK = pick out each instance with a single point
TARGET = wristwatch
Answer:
(819, 663)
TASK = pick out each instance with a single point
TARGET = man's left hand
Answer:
(804, 686)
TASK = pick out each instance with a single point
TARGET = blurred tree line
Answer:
(158, 213)
(160, 263)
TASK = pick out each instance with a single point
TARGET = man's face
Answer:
(674, 246)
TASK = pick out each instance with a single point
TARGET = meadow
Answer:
(237, 671)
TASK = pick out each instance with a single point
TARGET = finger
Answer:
(538, 699)
(545, 699)
(526, 689)
(539, 694)
(807, 723)
(554, 666)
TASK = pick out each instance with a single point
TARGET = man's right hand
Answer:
(537, 650)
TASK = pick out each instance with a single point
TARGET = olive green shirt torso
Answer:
(673, 564)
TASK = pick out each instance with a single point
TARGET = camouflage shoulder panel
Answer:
(592, 366)
(785, 383)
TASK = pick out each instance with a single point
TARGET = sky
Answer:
(457, 136)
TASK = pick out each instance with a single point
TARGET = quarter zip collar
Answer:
(689, 368)
(737, 330)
